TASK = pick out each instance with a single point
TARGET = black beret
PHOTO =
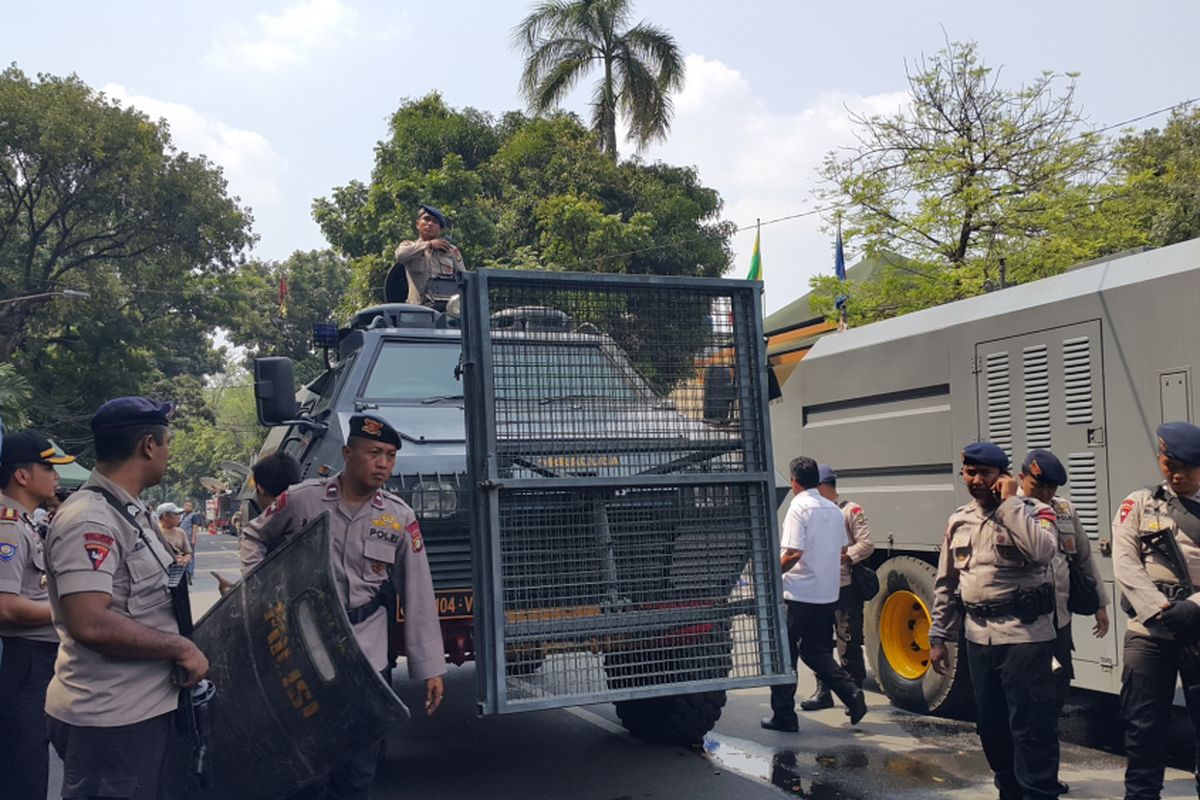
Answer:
(1045, 467)
(436, 214)
(1180, 441)
(368, 426)
(985, 454)
(126, 411)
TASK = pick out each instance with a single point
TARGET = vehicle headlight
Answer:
(434, 500)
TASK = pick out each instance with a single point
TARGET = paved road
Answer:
(583, 754)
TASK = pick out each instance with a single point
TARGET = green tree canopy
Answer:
(522, 192)
(1158, 174)
(639, 66)
(970, 177)
(262, 323)
(95, 198)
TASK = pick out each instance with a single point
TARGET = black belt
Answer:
(381, 598)
(37, 644)
(1010, 608)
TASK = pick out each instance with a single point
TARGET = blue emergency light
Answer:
(325, 334)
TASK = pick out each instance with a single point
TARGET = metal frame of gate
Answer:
(625, 546)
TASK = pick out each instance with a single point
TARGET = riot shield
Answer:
(295, 694)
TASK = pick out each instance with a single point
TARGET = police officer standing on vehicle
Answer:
(996, 556)
(430, 256)
(848, 616)
(27, 479)
(1156, 562)
(122, 661)
(375, 543)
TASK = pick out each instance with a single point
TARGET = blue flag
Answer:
(839, 257)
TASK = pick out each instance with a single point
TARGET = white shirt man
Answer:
(810, 555)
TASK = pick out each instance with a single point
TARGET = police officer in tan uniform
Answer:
(997, 555)
(1156, 562)
(122, 661)
(374, 538)
(848, 617)
(430, 256)
(27, 479)
(1040, 476)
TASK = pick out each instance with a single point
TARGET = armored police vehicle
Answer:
(593, 536)
(1087, 364)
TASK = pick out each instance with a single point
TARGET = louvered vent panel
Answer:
(1077, 380)
(1037, 396)
(999, 401)
(1082, 483)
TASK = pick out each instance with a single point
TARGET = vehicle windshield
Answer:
(414, 371)
(554, 371)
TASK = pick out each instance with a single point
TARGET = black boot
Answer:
(821, 698)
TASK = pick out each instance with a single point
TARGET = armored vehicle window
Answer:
(413, 371)
(550, 371)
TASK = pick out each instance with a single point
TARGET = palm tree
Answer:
(563, 39)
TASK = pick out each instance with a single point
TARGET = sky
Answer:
(290, 97)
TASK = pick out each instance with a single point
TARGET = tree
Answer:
(14, 397)
(94, 197)
(529, 193)
(640, 66)
(970, 178)
(1159, 173)
(315, 282)
(230, 432)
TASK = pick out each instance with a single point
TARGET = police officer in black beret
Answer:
(429, 256)
(376, 541)
(996, 556)
(1156, 562)
(122, 660)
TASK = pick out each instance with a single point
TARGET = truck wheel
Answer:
(896, 624)
(681, 719)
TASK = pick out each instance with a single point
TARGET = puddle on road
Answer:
(849, 771)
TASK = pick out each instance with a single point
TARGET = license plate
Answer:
(451, 604)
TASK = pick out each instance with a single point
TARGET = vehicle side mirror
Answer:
(720, 394)
(274, 390)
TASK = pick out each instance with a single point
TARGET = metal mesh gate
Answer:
(624, 520)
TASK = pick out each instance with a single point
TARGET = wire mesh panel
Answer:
(624, 524)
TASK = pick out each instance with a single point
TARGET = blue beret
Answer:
(827, 475)
(985, 454)
(126, 411)
(1045, 467)
(369, 426)
(1180, 441)
(436, 214)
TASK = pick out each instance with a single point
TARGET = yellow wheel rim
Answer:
(904, 634)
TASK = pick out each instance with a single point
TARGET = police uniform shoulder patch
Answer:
(278, 505)
(855, 510)
(1046, 513)
(8, 514)
(7, 551)
(414, 536)
(97, 546)
(1126, 507)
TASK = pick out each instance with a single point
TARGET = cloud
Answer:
(251, 165)
(763, 162)
(285, 39)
